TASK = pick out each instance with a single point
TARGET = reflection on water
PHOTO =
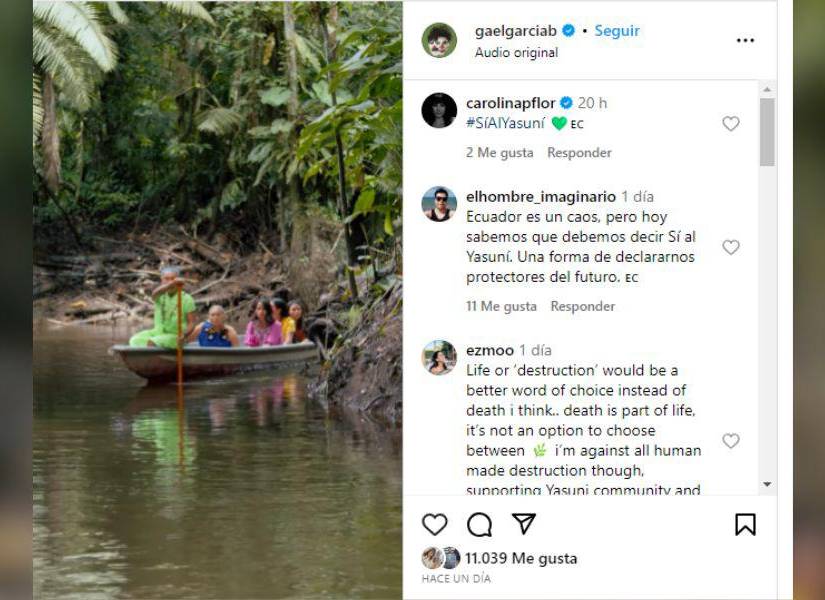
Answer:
(246, 489)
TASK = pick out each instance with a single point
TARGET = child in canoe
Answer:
(281, 312)
(263, 329)
(296, 313)
(214, 332)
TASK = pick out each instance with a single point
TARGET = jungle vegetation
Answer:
(241, 116)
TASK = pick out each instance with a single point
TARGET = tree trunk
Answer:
(291, 59)
(50, 147)
(343, 204)
(80, 162)
(215, 207)
(50, 137)
(332, 32)
(290, 202)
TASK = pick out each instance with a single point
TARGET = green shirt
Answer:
(166, 311)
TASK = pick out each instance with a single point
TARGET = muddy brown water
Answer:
(249, 490)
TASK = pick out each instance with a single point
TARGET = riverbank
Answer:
(364, 370)
(111, 281)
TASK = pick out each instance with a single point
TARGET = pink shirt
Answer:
(271, 335)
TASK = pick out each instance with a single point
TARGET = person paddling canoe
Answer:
(165, 331)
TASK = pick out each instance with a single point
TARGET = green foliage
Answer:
(233, 195)
(220, 121)
(366, 80)
(190, 9)
(275, 96)
(198, 122)
(70, 44)
(80, 22)
(111, 208)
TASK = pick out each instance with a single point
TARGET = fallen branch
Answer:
(202, 243)
(210, 254)
(63, 261)
(337, 239)
(110, 316)
(265, 249)
(88, 311)
(138, 300)
(166, 252)
(151, 272)
(217, 281)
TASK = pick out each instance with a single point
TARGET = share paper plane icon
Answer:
(524, 520)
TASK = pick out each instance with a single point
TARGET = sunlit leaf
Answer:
(280, 126)
(365, 200)
(233, 195)
(263, 170)
(117, 13)
(306, 54)
(259, 152)
(261, 131)
(79, 21)
(37, 107)
(219, 121)
(275, 96)
(313, 170)
(58, 56)
(190, 9)
(321, 91)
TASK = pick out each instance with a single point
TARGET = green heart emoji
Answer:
(559, 122)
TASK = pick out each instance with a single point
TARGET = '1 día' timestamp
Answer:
(521, 558)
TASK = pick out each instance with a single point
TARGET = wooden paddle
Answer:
(179, 360)
(179, 357)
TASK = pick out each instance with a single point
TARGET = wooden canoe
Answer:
(158, 364)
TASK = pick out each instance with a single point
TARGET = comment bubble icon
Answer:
(480, 525)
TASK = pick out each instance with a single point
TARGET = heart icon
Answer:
(730, 246)
(559, 122)
(435, 524)
(730, 439)
(730, 123)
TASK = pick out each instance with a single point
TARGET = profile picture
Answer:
(439, 40)
(432, 557)
(439, 204)
(439, 110)
(451, 557)
(439, 357)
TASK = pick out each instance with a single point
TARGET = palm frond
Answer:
(79, 21)
(62, 59)
(190, 9)
(220, 121)
(117, 13)
(37, 108)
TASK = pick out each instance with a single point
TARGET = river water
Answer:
(249, 490)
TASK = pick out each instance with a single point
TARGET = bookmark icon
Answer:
(745, 522)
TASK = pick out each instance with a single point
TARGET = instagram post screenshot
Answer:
(456, 299)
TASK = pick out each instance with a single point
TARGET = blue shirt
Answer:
(209, 337)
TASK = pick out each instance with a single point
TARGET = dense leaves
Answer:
(223, 116)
